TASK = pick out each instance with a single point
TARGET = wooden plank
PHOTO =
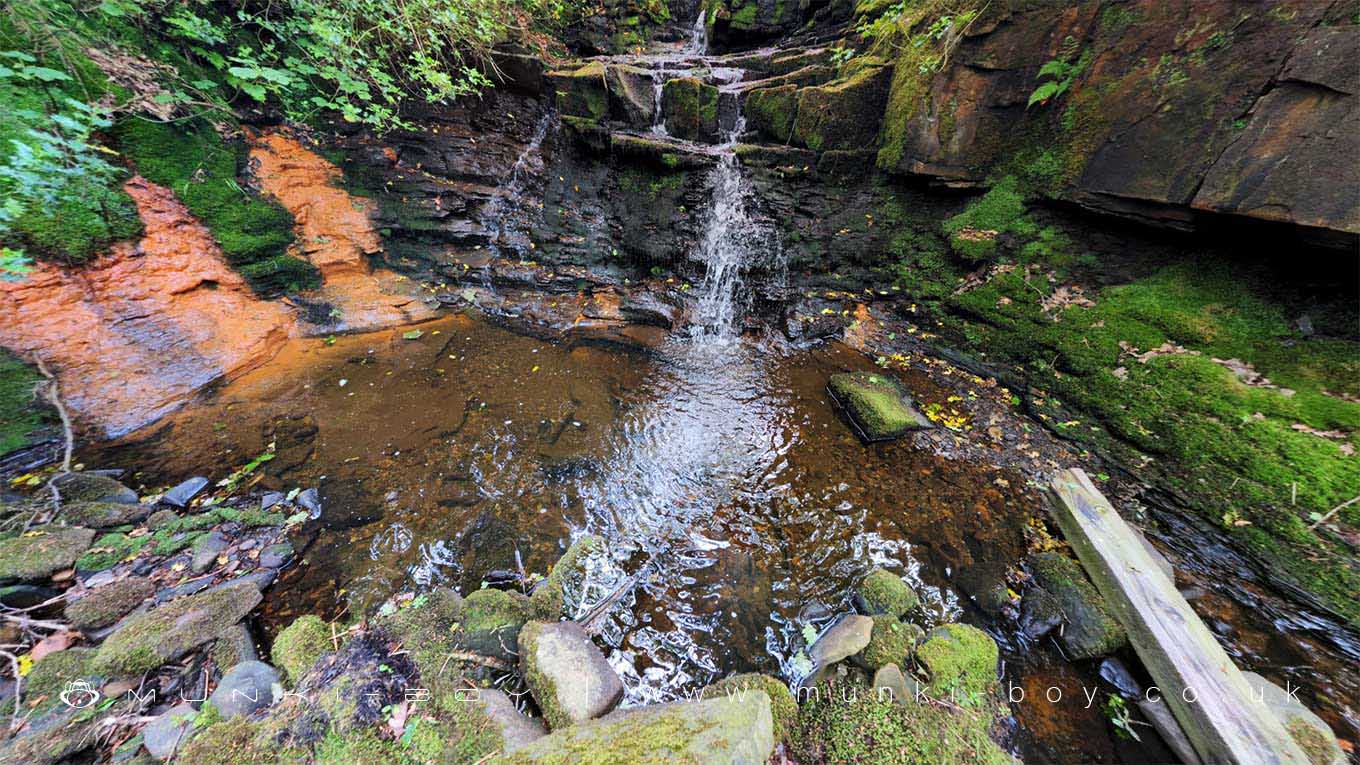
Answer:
(1204, 689)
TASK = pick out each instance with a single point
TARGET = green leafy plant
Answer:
(1117, 711)
(1057, 76)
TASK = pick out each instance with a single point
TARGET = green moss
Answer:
(299, 645)
(109, 550)
(844, 723)
(548, 600)
(1319, 749)
(783, 708)
(109, 603)
(491, 622)
(690, 108)
(745, 16)
(1000, 217)
(772, 111)
(844, 113)
(878, 403)
(1091, 629)
(166, 632)
(582, 93)
(883, 592)
(960, 658)
(889, 643)
(203, 170)
(42, 552)
(51, 674)
(231, 742)
(21, 417)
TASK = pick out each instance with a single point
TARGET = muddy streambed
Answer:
(718, 471)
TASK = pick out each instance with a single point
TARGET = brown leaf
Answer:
(58, 641)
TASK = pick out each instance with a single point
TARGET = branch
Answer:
(1333, 511)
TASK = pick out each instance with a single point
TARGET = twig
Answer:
(42, 624)
(1333, 511)
(18, 684)
(477, 658)
(52, 393)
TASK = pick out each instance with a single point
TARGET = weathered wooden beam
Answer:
(1206, 692)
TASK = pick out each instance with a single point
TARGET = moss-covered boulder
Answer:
(632, 95)
(567, 674)
(890, 642)
(1091, 629)
(581, 92)
(163, 634)
(878, 404)
(690, 108)
(719, 731)
(53, 673)
(111, 549)
(102, 515)
(883, 592)
(960, 659)
(846, 723)
(845, 113)
(106, 605)
(491, 623)
(783, 708)
(771, 111)
(299, 645)
(548, 601)
(43, 552)
(92, 487)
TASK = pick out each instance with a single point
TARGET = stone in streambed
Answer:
(848, 637)
(92, 487)
(890, 683)
(1091, 630)
(235, 646)
(491, 623)
(959, 657)
(164, 735)
(890, 642)
(517, 731)
(42, 553)
(276, 555)
(249, 686)
(720, 731)
(150, 639)
(183, 493)
(300, 644)
(568, 675)
(548, 600)
(783, 707)
(108, 604)
(102, 515)
(878, 404)
(206, 550)
(632, 95)
(883, 592)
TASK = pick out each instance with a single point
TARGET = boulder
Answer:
(846, 638)
(102, 515)
(720, 731)
(276, 555)
(877, 404)
(517, 730)
(890, 683)
(845, 113)
(1311, 732)
(92, 487)
(206, 550)
(249, 686)
(236, 645)
(568, 675)
(783, 707)
(883, 592)
(1091, 629)
(491, 623)
(152, 638)
(299, 645)
(581, 92)
(106, 605)
(184, 492)
(632, 95)
(164, 735)
(1040, 613)
(960, 658)
(548, 601)
(890, 642)
(689, 107)
(42, 552)
(771, 111)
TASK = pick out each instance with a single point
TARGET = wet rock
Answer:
(167, 632)
(721, 731)
(690, 108)
(1091, 629)
(276, 555)
(548, 600)
(517, 730)
(102, 515)
(236, 645)
(1114, 672)
(878, 405)
(889, 681)
(160, 519)
(890, 642)
(646, 308)
(106, 605)
(1040, 613)
(632, 98)
(568, 675)
(1311, 732)
(206, 549)
(845, 113)
(260, 579)
(26, 595)
(92, 487)
(770, 111)
(164, 735)
(183, 493)
(491, 623)
(249, 686)
(272, 498)
(883, 592)
(42, 552)
(1159, 714)
(581, 92)
(184, 588)
(310, 500)
(783, 707)
(299, 645)
(846, 638)
(959, 657)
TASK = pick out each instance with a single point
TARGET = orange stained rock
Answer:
(336, 234)
(135, 332)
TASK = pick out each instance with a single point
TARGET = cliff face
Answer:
(1157, 110)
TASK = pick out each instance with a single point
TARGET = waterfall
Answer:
(698, 36)
(496, 214)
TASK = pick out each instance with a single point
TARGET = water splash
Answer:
(498, 212)
(698, 36)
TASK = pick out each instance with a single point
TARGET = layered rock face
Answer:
(137, 331)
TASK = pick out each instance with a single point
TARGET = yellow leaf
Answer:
(25, 665)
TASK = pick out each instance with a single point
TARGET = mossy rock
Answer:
(890, 643)
(846, 723)
(111, 549)
(22, 419)
(1091, 629)
(548, 601)
(690, 108)
(51, 674)
(771, 111)
(491, 623)
(844, 114)
(165, 633)
(92, 487)
(108, 604)
(102, 515)
(40, 553)
(299, 645)
(582, 92)
(960, 658)
(878, 404)
(783, 708)
(718, 731)
(237, 741)
(883, 592)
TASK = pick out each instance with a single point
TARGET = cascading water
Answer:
(698, 36)
(497, 213)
